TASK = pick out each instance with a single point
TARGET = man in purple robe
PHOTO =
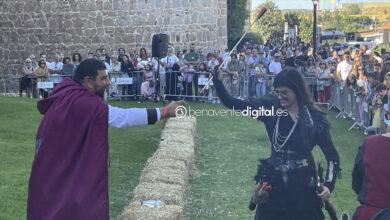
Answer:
(69, 176)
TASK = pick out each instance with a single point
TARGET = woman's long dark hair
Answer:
(292, 79)
(311, 119)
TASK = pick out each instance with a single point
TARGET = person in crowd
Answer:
(275, 67)
(133, 57)
(90, 55)
(385, 69)
(43, 56)
(242, 75)
(287, 179)
(377, 108)
(148, 91)
(230, 76)
(192, 58)
(34, 62)
(387, 107)
(128, 68)
(188, 72)
(72, 152)
(121, 53)
(218, 55)
(361, 94)
(253, 60)
(68, 67)
(158, 68)
(116, 65)
(261, 79)
(344, 68)
(56, 66)
(143, 58)
(42, 73)
(106, 56)
(26, 81)
(324, 82)
(171, 65)
(76, 58)
(370, 177)
(203, 73)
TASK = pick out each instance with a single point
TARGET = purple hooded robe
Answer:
(69, 176)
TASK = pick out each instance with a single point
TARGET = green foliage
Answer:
(352, 9)
(343, 21)
(292, 18)
(380, 46)
(251, 37)
(271, 25)
(305, 32)
(237, 13)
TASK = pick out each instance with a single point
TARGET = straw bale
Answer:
(136, 211)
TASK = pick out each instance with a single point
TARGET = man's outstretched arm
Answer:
(130, 117)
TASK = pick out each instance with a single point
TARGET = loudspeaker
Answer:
(160, 45)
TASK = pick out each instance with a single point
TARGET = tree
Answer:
(271, 24)
(292, 18)
(237, 14)
(351, 9)
(305, 32)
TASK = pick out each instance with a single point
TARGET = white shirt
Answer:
(128, 117)
(170, 60)
(116, 67)
(212, 63)
(344, 68)
(55, 66)
(275, 67)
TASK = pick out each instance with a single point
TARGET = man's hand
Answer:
(325, 194)
(170, 109)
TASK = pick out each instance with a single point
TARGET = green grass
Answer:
(226, 157)
(228, 149)
(19, 120)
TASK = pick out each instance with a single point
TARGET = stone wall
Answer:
(51, 26)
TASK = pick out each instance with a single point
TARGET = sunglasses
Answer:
(283, 93)
(28, 62)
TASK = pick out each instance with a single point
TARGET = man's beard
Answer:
(99, 91)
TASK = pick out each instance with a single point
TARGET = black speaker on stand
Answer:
(159, 50)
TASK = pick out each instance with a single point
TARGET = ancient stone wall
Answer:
(51, 26)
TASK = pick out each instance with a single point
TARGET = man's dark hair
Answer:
(88, 67)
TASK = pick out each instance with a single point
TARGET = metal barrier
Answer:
(178, 85)
(350, 104)
(9, 85)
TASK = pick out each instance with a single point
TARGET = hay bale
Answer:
(176, 153)
(164, 175)
(169, 194)
(154, 162)
(136, 211)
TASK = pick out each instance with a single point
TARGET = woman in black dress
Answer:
(290, 171)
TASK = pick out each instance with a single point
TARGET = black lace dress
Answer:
(294, 192)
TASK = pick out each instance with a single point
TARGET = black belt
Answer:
(287, 165)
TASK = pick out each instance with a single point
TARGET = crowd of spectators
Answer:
(246, 73)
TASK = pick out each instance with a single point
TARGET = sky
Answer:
(307, 4)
